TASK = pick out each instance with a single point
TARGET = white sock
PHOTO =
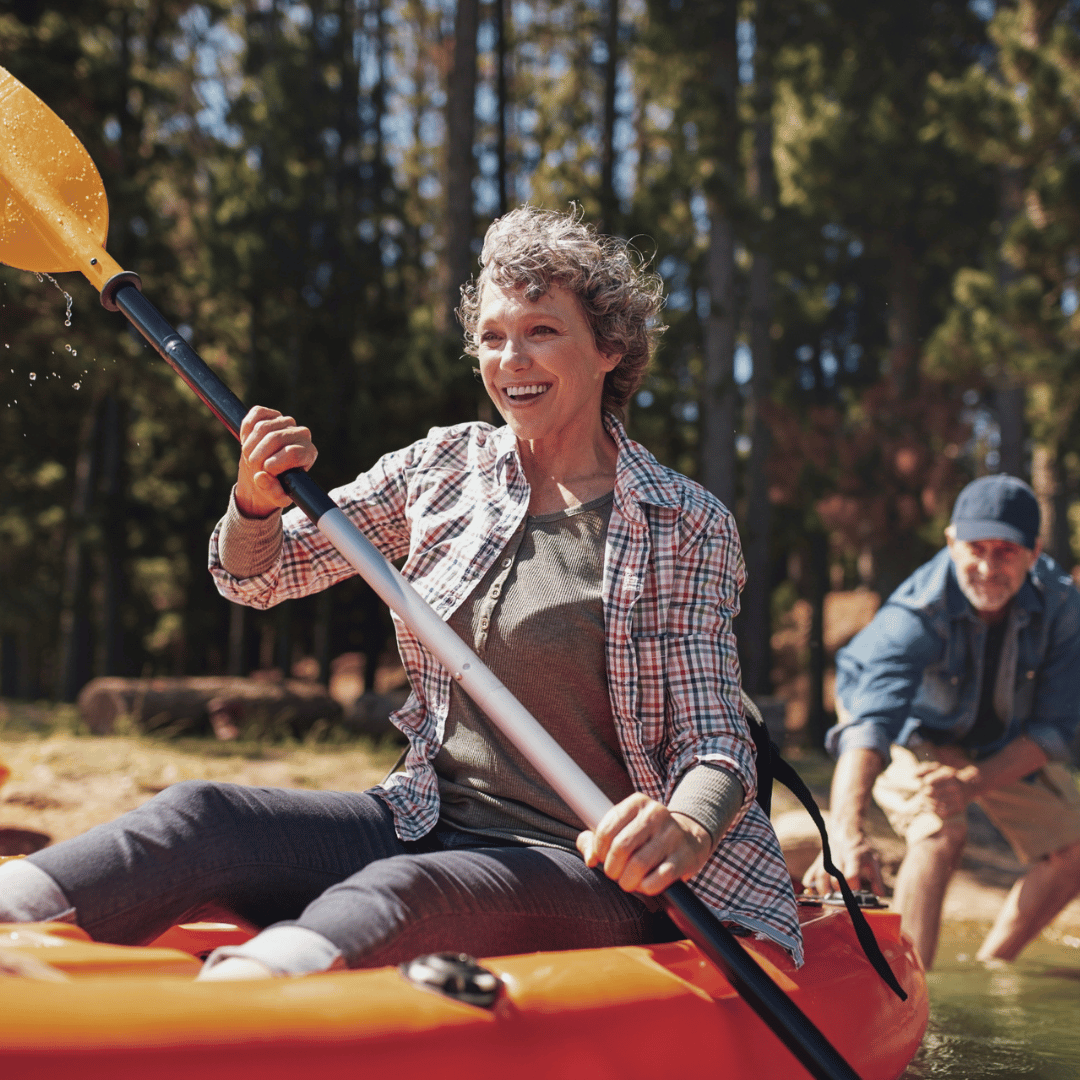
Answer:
(281, 950)
(28, 894)
(234, 969)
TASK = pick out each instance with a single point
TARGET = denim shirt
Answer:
(913, 675)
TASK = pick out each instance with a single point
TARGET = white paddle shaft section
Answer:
(553, 763)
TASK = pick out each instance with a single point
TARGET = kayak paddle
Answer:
(54, 217)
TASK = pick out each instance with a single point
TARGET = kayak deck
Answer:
(641, 1011)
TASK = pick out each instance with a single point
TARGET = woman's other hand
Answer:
(645, 847)
(269, 444)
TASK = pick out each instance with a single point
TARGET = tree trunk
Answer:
(719, 397)
(236, 665)
(608, 202)
(460, 134)
(819, 582)
(718, 400)
(1048, 481)
(1009, 401)
(9, 664)
(320, 638)
(1009, 395)
(503, 95)
(113, 655)
(755, 623)
(903, 319)
(283, 637)
(74, 644)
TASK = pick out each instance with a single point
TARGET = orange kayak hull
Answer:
(650, 1012)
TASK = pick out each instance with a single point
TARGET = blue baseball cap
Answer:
(997, 507)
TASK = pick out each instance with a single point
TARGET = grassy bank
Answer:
(63, 781)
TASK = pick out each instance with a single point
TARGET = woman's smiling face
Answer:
(540, 363)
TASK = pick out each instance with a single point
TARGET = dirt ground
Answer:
(62, 784)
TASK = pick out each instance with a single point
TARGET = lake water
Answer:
(1020, 1021)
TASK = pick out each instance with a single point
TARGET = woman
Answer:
(597, 585)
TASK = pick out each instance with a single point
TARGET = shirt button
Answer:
(1031, 674)
(507, 562)
(955, 679)
(484, 623)
(495, 590)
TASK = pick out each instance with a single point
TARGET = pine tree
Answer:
(1014, 317)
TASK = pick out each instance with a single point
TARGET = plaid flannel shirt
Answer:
(673, 570)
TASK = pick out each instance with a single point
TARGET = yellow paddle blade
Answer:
(53, 212)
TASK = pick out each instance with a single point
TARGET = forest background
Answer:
(865, 214)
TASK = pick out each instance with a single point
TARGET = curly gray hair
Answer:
(533, 249)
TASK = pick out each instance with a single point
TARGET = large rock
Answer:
(228, 706)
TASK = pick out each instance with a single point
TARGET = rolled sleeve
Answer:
(248, 546)
(878, 676)
(864, 735)
(701, 668)
(285, 557)
(1049, 739)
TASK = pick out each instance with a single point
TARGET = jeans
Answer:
(330, 863)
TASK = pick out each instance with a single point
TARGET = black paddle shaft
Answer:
(789, 1023)
(794, 1029)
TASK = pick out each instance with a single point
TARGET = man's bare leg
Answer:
(921, 882)
(1033, 903)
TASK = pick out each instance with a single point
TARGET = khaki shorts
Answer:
(1036, 818)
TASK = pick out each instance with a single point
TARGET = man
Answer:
(964, 688)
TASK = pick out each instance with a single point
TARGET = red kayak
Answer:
(110, 1012)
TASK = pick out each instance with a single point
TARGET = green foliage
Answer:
(864, 165)
(1014, 312)
(276, 172)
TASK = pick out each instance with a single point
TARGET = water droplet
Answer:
(33, 376)
(66, 295)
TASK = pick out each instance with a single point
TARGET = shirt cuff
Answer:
(28, 894)
(1048, 738)
(711, 795)
(286, 949)
(863, 735)
(248, 546)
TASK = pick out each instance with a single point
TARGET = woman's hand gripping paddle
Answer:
(54, 217)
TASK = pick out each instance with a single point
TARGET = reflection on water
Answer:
(1020, 1021)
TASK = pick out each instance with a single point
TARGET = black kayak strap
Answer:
(770, 766)
(787, 776)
